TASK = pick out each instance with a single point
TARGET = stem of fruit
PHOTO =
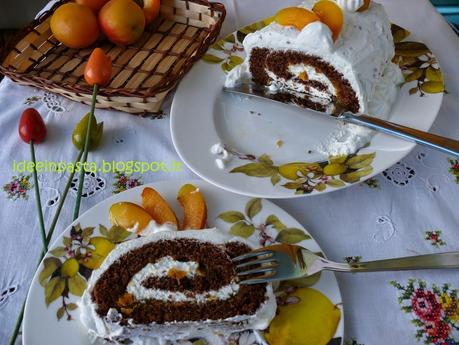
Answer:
(38, 199)
(76, 211)
(17, 327)
(61, 202)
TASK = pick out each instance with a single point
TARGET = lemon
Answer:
(311, 321)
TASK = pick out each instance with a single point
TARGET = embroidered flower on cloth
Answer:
(18, 187)
(454, 169)
(372, 183)
(435, 311)
(434, 237)
(124, 182)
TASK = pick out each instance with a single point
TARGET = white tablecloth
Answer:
(410, 209)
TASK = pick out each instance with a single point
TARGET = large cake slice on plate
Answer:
(173, 285)
(331, 51)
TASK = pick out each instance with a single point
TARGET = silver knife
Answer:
(332, 110)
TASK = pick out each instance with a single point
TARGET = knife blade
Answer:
(333, 110)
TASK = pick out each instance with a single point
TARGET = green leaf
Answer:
(103, 230)
(253, 207)
(416, 75)
(356, 161)
(54, 289)
(242, 229)
(320, 187)
(219, 46)
(60, 313)
(77, 284)
(118, 234)
(255, 170)
(50, 265)
(230, 39)
(413, 49)
(433, 87)
(231, 216)
(212, 58)
(67, 241)
(275, 222)
(87, 232)
(291, 236)
(72, 306)
(266, 159)
(399, 33)
(236, 60)
(355, 176)
(292, 185)
(200, 342)
(275, 179)
(59, 251)
(335, 183)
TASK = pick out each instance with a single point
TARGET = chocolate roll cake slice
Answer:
(174, 285)
(316, 65)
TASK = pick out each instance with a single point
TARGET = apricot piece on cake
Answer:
(295, 16)
(194, 207)
(157, 207)
(365, 6)
(331, 15)
(129, 216)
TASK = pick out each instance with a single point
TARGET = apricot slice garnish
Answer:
(129, 215)
(331, 15)
(157, 207)
(194, 207)
(365, 6)
(295, 16)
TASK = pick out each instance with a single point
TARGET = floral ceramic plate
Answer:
(271, 146)
(52, 314)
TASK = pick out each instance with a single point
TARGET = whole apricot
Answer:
(74, 25)
(122, 21)
(94, 5)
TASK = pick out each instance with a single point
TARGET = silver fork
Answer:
(284, 262)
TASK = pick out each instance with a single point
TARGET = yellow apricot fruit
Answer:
(70, 267)
(331, 15)
(295, 16)
(129, 215)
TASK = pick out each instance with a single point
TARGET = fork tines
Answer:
(256, 267)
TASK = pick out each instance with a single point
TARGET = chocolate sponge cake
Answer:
(174, 285)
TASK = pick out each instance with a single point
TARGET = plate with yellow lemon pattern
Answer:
(309, 311)
(271, 149)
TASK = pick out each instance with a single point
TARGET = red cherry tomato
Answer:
(31, 126)
(98, 70)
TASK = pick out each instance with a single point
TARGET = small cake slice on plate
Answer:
(174, 285)
(330, 51)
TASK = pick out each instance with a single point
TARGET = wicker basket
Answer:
(143, 73)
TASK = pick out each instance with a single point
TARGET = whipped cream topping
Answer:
(214, 331)
(350, 5)
(362, 53)
(222, 155)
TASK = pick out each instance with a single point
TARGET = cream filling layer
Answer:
(160, 269)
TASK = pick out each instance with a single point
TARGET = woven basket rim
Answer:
(167, 84)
